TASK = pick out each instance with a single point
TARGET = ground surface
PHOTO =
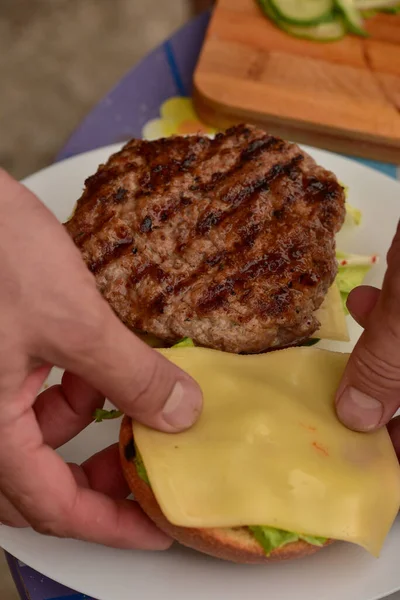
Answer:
(59, 57)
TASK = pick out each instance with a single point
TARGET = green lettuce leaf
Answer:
(313, 540)
(353, 214)
(140, 468)
(352, 273)
(184, 343)
(349, 278)
(310, 342)
(101, 414)
(271, 538)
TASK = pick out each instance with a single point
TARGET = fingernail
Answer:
(183, 405)
(359, 411)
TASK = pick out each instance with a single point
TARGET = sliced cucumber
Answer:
(375, 4)
(303, 12)
(352, 17)
(323, 32)
(266, 7)
(328, 31)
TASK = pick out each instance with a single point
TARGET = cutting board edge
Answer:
(341, 141)
(217, 115)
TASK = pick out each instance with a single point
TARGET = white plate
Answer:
(342, 571)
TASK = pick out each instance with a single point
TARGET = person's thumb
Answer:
(369, 393)
(136, 378)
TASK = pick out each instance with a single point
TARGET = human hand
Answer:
(369, 394)
(52, 314)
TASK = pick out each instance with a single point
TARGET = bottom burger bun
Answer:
(237, 545)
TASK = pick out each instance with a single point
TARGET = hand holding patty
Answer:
(369, 394)
(52, 314)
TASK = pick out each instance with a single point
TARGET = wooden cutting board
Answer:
(343, 96)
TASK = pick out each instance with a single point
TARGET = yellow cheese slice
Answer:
(269, 450)
(332, 318)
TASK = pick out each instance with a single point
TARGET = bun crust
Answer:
(235, 544)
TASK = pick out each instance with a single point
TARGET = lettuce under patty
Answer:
(352, 269)
(184, 343)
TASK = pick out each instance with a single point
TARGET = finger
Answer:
(9, 515)
(369, 393)
(394, 432)
(79, 475)
(63, 411)
(43, 489)
(103, 473)
(361, 301)
(71, 326)
(16, 404)
(137, 379)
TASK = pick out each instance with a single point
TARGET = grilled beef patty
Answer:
(229, 241)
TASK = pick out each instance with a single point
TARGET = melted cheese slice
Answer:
(269, 450)
(332, 319)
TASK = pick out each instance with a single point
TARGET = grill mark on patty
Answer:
(163, 213)
(146, 185)
(160, 176)
(120, 195)
(114, 250)
(250, 233)
(303, 208)
(156, 306)
(259, 146)
(151, 270)
(274, 263)
(81, 237)
(105, 176)
(256, 148)
(174, 169)
(320, 191)
(168, 172)
(90, 199)
(235, 198)
(146, 225)
(324, 194)
(95, 182)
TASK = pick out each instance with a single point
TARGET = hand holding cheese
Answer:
(51, 313)
(369, 394)
(268, 456)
